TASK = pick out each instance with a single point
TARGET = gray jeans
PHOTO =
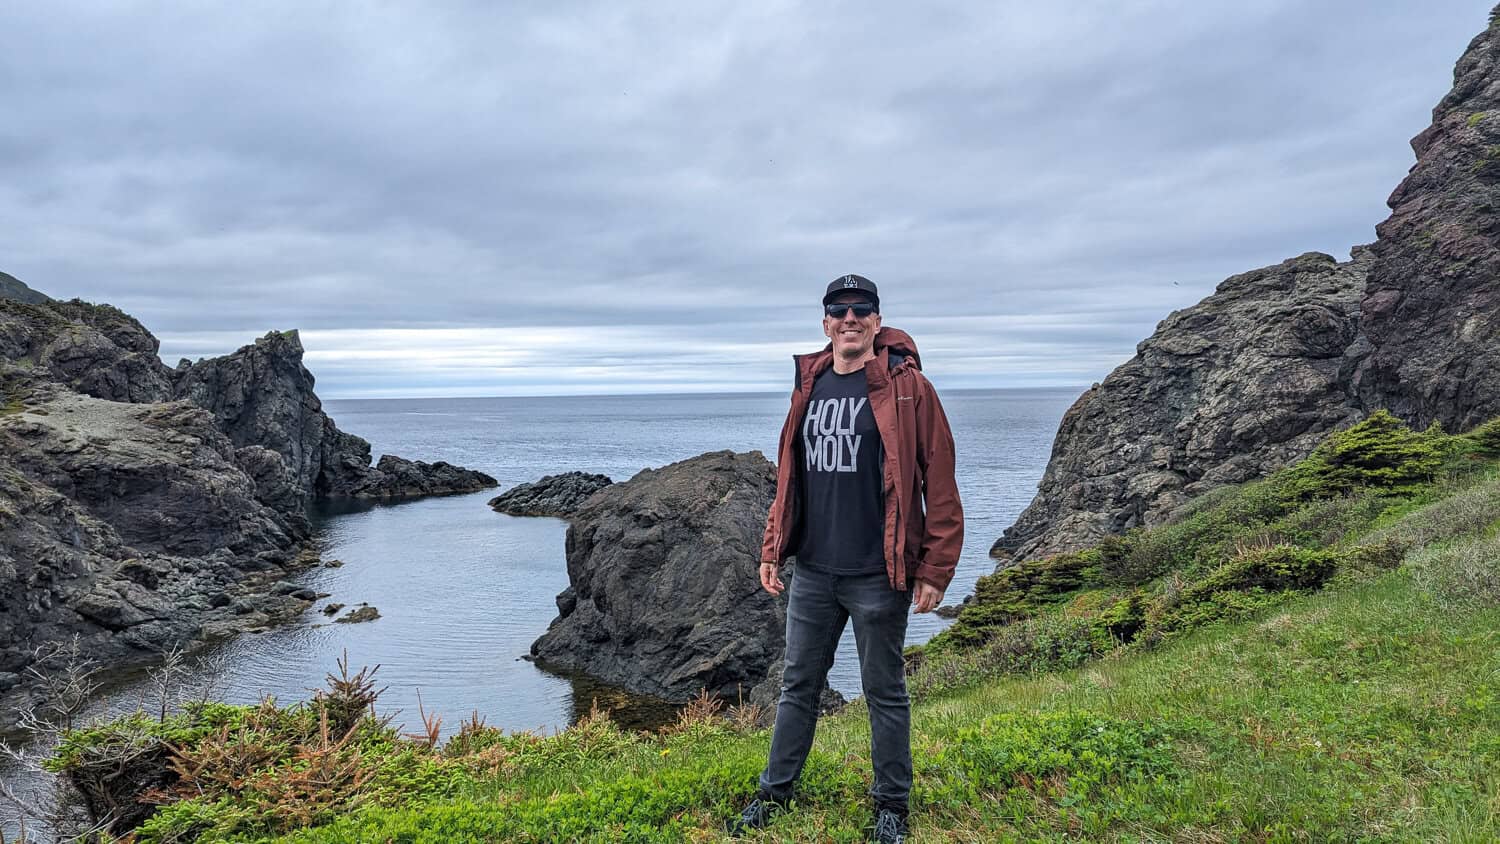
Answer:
(818, 606)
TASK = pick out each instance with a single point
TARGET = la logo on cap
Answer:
(850, 282)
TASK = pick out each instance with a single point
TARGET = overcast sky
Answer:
(459, 199)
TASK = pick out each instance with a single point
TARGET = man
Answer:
(865, 446)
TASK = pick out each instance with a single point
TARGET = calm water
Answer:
(463, 591)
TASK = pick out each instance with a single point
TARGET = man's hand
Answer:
(770, 578)
(925, 599)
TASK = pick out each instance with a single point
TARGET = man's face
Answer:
(852, 336)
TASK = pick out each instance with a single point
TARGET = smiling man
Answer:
(866, 502)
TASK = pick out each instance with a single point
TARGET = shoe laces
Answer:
(758, 812)
(888, 827)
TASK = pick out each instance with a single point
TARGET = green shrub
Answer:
(1380, 452)
(1486, 438)
(1253, 580)
(1018, 592)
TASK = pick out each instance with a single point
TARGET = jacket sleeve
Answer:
(943, 539)
(771, 543)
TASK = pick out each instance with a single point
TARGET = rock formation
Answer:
(559, 496)
(131, 527)
(1251, 377)
(1246, 380)
(1431, 309)
(143, 507)
(664, 596)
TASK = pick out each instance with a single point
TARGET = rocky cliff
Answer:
(143, 506)
(1251, 377)
(664, 597)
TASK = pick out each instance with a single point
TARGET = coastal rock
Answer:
(262, 397)
(1431, 309)
(664, 597)
(130, 527)
(1249, 379)
(358, 616)
(397, 477)
(552, 495)
(143, 507)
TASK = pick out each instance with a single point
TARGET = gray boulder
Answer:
(664, 597)
(559, 496)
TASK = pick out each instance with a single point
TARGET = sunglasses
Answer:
(838, 309)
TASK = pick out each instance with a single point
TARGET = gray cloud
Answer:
(654, 197)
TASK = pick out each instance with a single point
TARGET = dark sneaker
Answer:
(756, 816)
(890, 827)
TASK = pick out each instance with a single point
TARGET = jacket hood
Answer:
(894, 339)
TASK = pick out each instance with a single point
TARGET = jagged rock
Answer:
(1245, 381)
(358, 615)
(1431, 308)
(397, 477)
(552, 495)
(1252, 377)
(143, 507)
(332, 609)
(664, 597)
(130, 527)
(262, 397)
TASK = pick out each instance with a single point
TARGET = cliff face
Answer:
(1247, 380)
(1250, 378)
(1431, 309)
(142, 506)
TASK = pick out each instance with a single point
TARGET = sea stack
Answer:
(664, 597)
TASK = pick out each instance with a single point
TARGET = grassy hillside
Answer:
(1312, 657)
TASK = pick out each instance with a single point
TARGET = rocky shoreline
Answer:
(144, 508)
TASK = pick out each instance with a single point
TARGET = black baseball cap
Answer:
(853, 284)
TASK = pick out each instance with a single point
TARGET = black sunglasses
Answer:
(838, 309)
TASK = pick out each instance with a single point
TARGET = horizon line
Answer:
(676, 394)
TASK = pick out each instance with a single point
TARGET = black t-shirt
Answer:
(842, 478)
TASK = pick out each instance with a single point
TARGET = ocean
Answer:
(463, 591)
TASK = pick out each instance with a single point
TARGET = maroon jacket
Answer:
(921, 543)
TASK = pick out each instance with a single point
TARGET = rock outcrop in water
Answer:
(665, 598)
(558, 496)
(143, 507)
(1251, 377)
